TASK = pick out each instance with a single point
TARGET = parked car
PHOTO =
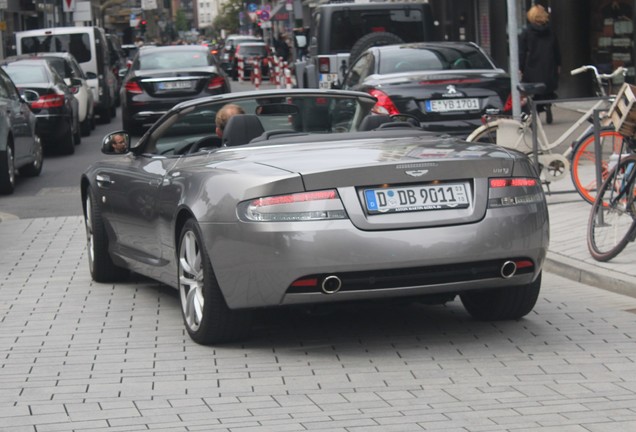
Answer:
(20, 146)
(90, 48)
(117, 62)
(229, 49)
(68, 68)
(161, 77)
(55, 108)
(299, 204)
(248, 53)
(447, 86)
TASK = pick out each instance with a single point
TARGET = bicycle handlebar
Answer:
(619, 71)
(600, 91)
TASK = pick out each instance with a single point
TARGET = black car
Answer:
(56, 109)
(161, 77)
(248, 53)
(229, 49)
(447, 86)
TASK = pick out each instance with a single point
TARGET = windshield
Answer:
(407, 59)
(278, 113)
(172, 59)
(23, 74)
(77, 44)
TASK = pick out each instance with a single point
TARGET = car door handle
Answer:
(104, 180)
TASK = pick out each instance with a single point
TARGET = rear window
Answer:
(252, 50)
(172, 60)
(348, 26)
(24, 74)
(78, 44)
(425, 59)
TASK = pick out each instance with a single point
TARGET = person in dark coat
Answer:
(539, 56)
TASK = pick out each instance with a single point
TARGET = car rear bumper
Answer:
(372, 264)
(52, 126)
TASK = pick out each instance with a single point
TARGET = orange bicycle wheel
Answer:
(583, 166)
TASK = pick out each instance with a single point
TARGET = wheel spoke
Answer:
(191, 280)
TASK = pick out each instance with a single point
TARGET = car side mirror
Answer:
(29, 96)
(76, 82)
(91, 75)
(117, 142)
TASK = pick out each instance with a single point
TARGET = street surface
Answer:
(81, 356)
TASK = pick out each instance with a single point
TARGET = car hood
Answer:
(375, 161)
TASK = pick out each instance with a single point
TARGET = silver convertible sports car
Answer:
(307, 198)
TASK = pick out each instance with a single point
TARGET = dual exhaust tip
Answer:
(332, 284)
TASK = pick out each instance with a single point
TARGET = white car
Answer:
(68, 68)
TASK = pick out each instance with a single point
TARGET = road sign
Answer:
(265, 15)
(252, 7)
(68, 5)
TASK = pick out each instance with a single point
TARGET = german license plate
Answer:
(174, 85)
(446, 105)
(417, 198)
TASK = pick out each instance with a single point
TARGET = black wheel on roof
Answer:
(370, 40)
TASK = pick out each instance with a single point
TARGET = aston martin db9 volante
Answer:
(308, 198)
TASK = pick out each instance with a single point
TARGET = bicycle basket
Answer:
(623, 111)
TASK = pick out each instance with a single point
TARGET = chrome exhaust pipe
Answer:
(331, 284)
(508, 269)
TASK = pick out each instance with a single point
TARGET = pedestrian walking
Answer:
(540, 57)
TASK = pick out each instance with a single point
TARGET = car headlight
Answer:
(303, 206)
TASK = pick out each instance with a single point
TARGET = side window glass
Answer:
(359, 70)
(3, 89)
(10, 87)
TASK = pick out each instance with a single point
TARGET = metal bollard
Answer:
(256, 74)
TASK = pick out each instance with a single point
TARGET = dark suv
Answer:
(343, 30)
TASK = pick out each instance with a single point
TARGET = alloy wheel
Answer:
(191, 280)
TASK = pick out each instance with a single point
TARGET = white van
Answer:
(89, 47)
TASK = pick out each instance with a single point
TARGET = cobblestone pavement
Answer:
(82, 356)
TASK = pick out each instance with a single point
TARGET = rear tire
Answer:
(371, 40)
(7, 171)
(34, 168)
(205, 313)
(100, 263)
(67, 145)
(86, 127)
(508, 303)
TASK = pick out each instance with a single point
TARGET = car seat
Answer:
(241, 129)
(373, 121)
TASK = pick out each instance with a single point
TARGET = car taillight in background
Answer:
(48, 101)
(133, 87)
(215, 83)
(511, 191)
(384, 105)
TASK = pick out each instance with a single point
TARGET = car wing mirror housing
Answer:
(117, 142)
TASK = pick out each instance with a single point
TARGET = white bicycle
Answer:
(580, 157)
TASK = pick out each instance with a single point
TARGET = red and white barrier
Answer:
(256, 74)
(241, 70)
(288, 76)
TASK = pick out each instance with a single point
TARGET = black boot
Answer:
(548, 114)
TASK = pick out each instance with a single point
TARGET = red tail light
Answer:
(133, 87)
(508, 105)
(215, 83)
(323, 64)
(74, 89)
(384, 105)
(49, 101)
(512, 181)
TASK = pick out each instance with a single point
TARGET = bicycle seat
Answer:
(531, 88)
